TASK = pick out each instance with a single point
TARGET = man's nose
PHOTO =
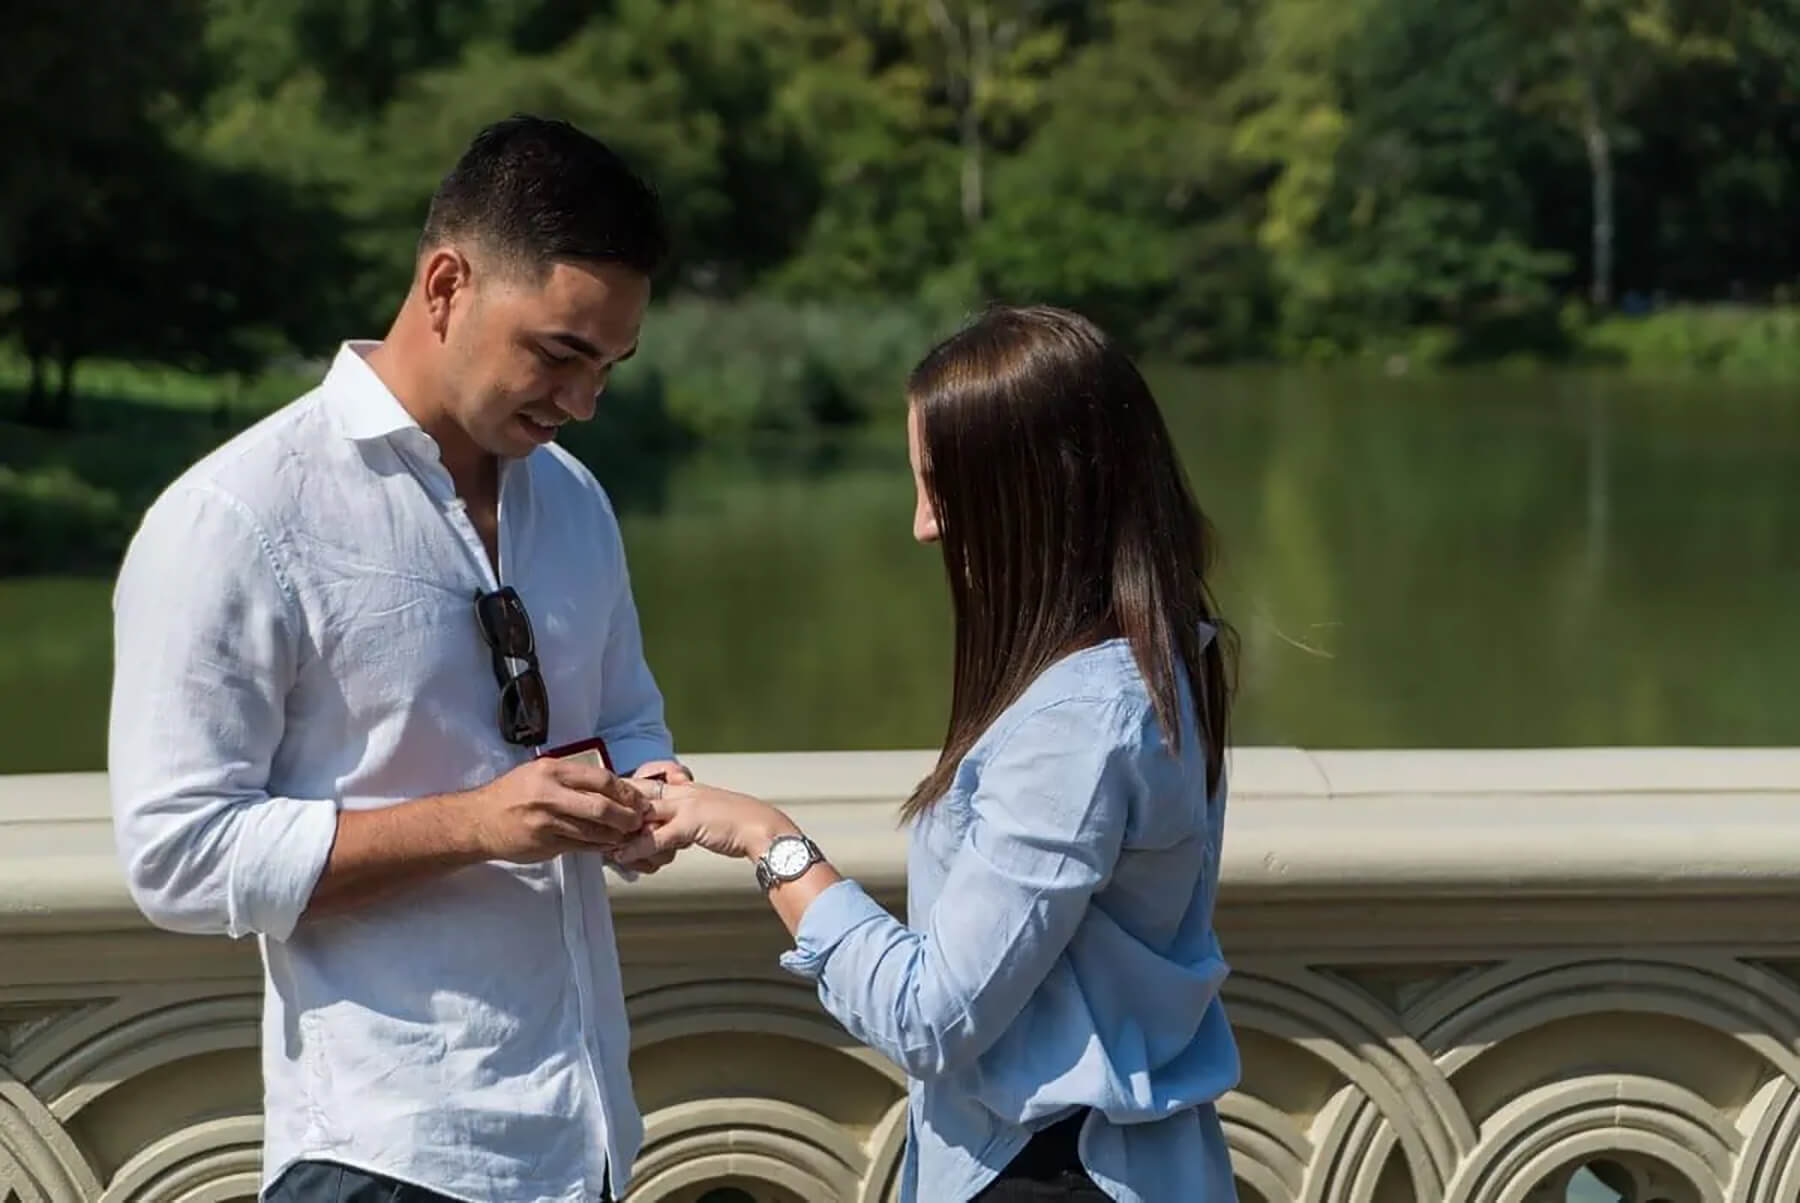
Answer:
(580, 397)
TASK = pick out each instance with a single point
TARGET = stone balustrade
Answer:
(1459, 977)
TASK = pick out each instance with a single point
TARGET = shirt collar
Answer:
(363, 407)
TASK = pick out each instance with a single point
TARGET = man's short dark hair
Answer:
(539, 192)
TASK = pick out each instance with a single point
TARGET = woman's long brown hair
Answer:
(1065, 519)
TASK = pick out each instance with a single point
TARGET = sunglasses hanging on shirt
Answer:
(524, 698)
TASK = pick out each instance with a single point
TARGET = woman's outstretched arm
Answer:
(1046, 825)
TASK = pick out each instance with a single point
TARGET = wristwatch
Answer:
(788, 857)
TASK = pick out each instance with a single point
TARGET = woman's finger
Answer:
(670, 801)
(654, 797)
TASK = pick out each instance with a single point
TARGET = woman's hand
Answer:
(680, 815)
(652, 774)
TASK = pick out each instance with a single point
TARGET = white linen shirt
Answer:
(295, 634)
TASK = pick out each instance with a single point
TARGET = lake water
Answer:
(1463, 562)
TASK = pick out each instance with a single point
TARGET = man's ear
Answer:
(445, 277)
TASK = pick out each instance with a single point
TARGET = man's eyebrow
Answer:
(582, 346)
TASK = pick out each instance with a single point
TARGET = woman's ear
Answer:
(925, 519)
(925, 523)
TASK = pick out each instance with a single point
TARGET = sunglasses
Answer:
(524, 699)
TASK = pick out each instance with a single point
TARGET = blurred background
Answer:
(1475, 319)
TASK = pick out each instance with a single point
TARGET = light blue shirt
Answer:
(1064, 955)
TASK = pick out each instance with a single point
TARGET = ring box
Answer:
(591, 751)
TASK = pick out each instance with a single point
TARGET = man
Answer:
(342, 639)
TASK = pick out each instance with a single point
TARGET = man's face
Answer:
(526, 355)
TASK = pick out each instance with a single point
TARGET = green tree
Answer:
(991, 60)
(887, 217)
(689, 92)
(1707, 184)
(173, 261)
(114, 239)
(76, 95)
(1209, 179)
(361, 50)
(1593, 62)
(75, 87)
(1395, 197)
(1292, 125)
(1127, 201)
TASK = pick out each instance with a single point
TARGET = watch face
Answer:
(788, 856)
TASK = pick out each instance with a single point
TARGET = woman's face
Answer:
(925, 523)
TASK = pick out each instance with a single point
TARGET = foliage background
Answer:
(222, 185)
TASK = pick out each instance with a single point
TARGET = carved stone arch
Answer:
(81, 1026)
(1768, 1168)
(745, 1005)
(78, 1062)
(1547, 1130)
(800, 1151)
(1398, 1087)
(1377, 1143)
(1353, 1152)
(211, 1162)
(1339, 1141)
(38, 1160)
(887, 1145)
(1757, 1009)
(861, 1129)
(1269, 1151)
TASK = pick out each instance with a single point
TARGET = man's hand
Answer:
(674, 773)
(546, 807)
(542, 808)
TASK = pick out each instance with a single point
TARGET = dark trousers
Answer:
(328, 1182)
(1048, 1170)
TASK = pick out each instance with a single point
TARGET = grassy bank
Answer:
(1734, 342)
(1737, 341)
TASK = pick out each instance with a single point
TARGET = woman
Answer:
(1056, 1005)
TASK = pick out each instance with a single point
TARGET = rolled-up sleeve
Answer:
(839, 910)
(631, 705)
(1048, 820)
(206, 642)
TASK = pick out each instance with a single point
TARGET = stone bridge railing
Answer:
(1460, 977)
